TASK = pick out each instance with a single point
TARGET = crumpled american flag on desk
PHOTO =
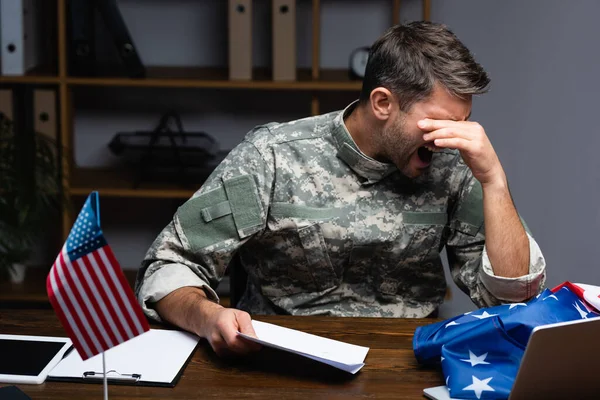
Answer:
(480, 351)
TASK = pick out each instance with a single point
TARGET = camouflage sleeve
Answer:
(469, 263)
(195, 248)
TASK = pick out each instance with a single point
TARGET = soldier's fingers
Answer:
(234, 342)
(218, 344)
(245, 326)
(454, 143)
(244, 322)
(451, 132)
(428, 124)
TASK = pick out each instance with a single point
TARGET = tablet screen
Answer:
(26, 357)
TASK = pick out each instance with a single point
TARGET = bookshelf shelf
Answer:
(30, 79)
(35, 76)
(119, 183)
(183, 77)
(319, 87)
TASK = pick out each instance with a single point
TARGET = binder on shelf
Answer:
(240, 39)
(284, 40)
(19, 23)
(44, 112)
(109, 9)
(6, 103)
(82, 46)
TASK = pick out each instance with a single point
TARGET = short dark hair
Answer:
(409, 59)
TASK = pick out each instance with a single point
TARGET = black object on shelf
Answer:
(164, 154)
(92, 24)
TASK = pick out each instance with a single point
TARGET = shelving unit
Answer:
(78, 182)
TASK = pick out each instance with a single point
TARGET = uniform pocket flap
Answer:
(288, 210)
(217, 211)
(243, 200)
(199, 223)
(288, 215)
(424, 218)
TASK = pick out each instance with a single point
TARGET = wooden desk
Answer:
(391, 371)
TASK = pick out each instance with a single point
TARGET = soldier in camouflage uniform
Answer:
(346, 213)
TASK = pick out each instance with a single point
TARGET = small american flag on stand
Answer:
(89, 291)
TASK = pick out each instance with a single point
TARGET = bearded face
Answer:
(405, 147)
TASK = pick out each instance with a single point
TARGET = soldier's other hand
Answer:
(220, 329)
(472, 142)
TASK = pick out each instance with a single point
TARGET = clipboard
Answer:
(158, 357)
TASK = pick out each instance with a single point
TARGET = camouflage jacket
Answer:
(323, 229)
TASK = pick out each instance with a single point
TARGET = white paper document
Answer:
(345, 356)
(155, 357)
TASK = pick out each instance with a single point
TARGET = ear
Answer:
(382, 103)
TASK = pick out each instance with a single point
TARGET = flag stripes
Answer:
(127, 298)
(65, 312)
(92, 301)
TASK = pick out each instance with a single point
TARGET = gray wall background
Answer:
(539, 114)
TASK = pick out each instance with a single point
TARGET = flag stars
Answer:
(514, 305)
(551, 297)
(453, 323)
(583, 314)
(484, 315)
(476, 360)
(480, 386)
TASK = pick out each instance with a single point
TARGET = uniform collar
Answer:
(348, 151)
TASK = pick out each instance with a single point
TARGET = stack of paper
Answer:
(345, 356)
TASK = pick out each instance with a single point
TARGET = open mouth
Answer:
(426, 151)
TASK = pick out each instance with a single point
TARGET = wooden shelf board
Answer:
(118, 183)
(40, 75)
(218, 78)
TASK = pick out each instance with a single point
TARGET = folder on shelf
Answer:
(6, 103)
(109, 9)
(44, 112)
(19, 24)
(82, 46)
(240, 39)
(284, 40)
(158, 357)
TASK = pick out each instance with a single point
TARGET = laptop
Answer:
(560, 362)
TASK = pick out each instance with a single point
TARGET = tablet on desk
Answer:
(29, 359)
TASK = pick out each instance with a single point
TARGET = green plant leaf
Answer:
(30, 191)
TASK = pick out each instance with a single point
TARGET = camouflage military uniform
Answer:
(323, 229)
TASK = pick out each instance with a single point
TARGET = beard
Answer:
(396, 146)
